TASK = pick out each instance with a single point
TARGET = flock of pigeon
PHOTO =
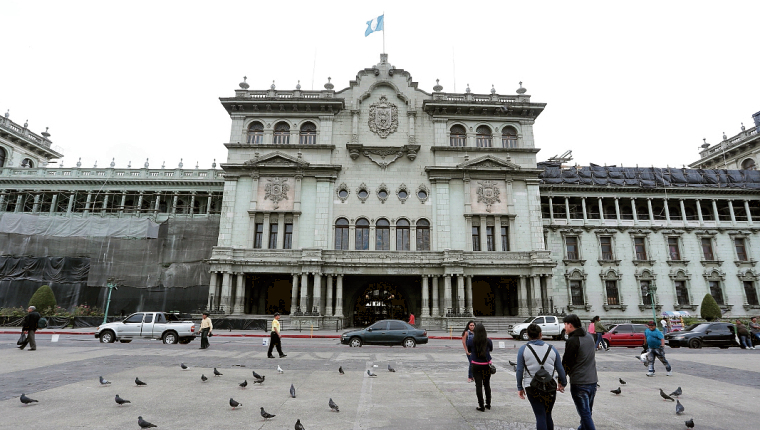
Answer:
(676, 393)
(258, 379)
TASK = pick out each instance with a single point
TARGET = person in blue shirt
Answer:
(527, 366)
(480, 346)
(656, 348)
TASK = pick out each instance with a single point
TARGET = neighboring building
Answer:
(739, 152)
(19, 147)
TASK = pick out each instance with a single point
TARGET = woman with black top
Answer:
(467, 335)
(480, 347)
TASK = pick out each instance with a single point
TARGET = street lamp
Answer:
(111, 285)
(650, 290)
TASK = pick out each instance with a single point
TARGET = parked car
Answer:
(718, 334)
(386, 332)
(550, 326)
(630, 335)
(147, 325)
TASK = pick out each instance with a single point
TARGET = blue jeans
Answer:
(542, 404)
(746, 342)
(756, 338)
(598, 339)
(583, 397)
(469, 368)
(659, 353)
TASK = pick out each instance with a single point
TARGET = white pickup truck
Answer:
(550, 326)
(148, 325)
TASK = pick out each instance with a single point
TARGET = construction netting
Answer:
(648, 177)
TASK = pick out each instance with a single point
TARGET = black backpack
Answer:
(542, 381)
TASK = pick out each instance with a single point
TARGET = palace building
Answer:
(382, 199)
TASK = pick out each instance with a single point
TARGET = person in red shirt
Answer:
(411, 319)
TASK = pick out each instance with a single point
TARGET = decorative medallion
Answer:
(488, 193)
(276, 190)
(343, 192)
(423, 193)
(383, 117)
(382, 193)
(362, 192)
(402, 192)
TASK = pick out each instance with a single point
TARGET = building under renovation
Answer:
(379, 200)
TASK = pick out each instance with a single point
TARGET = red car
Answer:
(630, 335)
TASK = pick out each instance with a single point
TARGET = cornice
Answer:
(486, 150)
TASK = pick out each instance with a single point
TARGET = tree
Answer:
(43, 299)
(709, 308)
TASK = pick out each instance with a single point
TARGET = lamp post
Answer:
(651, 290)
(111, 285)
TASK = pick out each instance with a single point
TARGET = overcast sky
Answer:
(641, 83)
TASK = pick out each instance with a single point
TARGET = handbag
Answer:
(492, 368)
(21, 339)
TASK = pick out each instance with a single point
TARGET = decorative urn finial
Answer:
(328, 85)
(468, 89)
(493, 89)
(298, 86)
(437, 88)
(45, 133)
(521, 90)
(113, 162)
(180, 163)
(146, 163)
(213, 165)
(244, 85)
(79, 162)
(272, 86)
(743, 127)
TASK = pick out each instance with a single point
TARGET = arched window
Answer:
(382, 235)
(749, 164)
(341, 234)
(362, 234)
(423, 235)
(308, 134)
(3, 154)
(508, 137)
(282, 133)
(458, 136)
(256, 133)
(27, 163)
(483, 138)
(402, 235)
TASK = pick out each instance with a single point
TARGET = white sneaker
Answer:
(669, 373)
(650, 374)
(752, 347)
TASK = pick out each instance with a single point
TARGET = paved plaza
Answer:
(429, 390)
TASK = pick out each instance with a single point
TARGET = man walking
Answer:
(30, 327)
(579, 362)
(754, 327)
(206, 328)
(274, 337)
(655, 347)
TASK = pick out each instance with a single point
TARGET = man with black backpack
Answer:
(29, 327)
(580, 364)
(536, 363)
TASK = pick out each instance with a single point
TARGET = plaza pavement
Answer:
(428, 391)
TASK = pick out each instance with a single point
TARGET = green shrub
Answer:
(44, 300)
(709, 309)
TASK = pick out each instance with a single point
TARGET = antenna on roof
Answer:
(560, 159)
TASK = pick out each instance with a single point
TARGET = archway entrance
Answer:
(377, 300)
(494, 296)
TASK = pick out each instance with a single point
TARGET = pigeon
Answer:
(299, 426)
(333, 406)
(292, 391)
(390, 369)
(243, 384)
(139, 383)
(679, 408)
(121, 401)
(217, 373)
(621, 381)
(340, 370)
(234, 404)
(677, 392)
(259, 381)
(616, 392)
(256, 375)
(144, 424)
(665, 396)
(512, 363)
(103, 381)
(26, 400)
(690, 423)
(369, 372)
(266, 415)
(183, 366)
(204, 378)
(279, 369)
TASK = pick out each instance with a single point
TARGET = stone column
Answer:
(226, 297)
(535, 289)
(522, 298)
(567, 209)
(633, 208)
(317, 294)
(461, 304)
(617, 210)
(329, 296)
(280, 230)
(295, 232)
(468, 233)
(551, 209)
(372, 238)
(446, 293)
(240, 294)
(71, 203)
(699, 212)
(497, 233)
(649, 208)
(304, 303)
(601, 210)
(749, 214)
(483, 232)
(425, 297)
(190, 210)
(339, 296)
(124, 202)
(583, 206)
(211, 292)
(294, 294)
(667, 210)
(435, 311)
(731, 212)
(54, 203)
(36, 204)
(86, 204)
(265, 235)
(716, 217)
(174, 204)
(468, 295)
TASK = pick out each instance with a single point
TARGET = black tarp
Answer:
(648, 177)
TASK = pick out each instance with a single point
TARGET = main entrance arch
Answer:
(378, 298)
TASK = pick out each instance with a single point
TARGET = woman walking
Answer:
(206, 328)
(469, 330)
(600, 331)
(480, 347)
(527, 365)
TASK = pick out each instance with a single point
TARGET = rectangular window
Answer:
(741, 251)
(490, 239)
(457, 140)
(476, 238)
(402, 239)
(716, 292)
(707, 249)
(341, 237)
(383, 242)
(640, 246)
(423, 239)
(646, 293)
(682, 294)
(505, 239)
(612, 293)
(606, 243)
(576, 293)
(362, 238)
(259, 236)
(751, 292)
(288, 243)
(673, 251)
(571, 244)
(273, 236)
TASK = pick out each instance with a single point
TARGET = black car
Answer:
(703, 334)
(385, 332)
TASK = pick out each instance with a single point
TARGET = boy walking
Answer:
(655, 348)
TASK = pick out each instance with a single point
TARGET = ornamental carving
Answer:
(276, 190)
(488, 193)
(383, 117)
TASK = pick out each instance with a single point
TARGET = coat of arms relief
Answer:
(276, 190)
(383, 117)
(488, 193)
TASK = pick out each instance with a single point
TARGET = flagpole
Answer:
(383, 32)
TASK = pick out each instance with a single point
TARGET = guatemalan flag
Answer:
(374, 25)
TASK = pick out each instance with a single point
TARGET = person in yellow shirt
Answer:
(274, 337)
(206, 328)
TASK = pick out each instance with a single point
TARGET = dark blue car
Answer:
(386, 332)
